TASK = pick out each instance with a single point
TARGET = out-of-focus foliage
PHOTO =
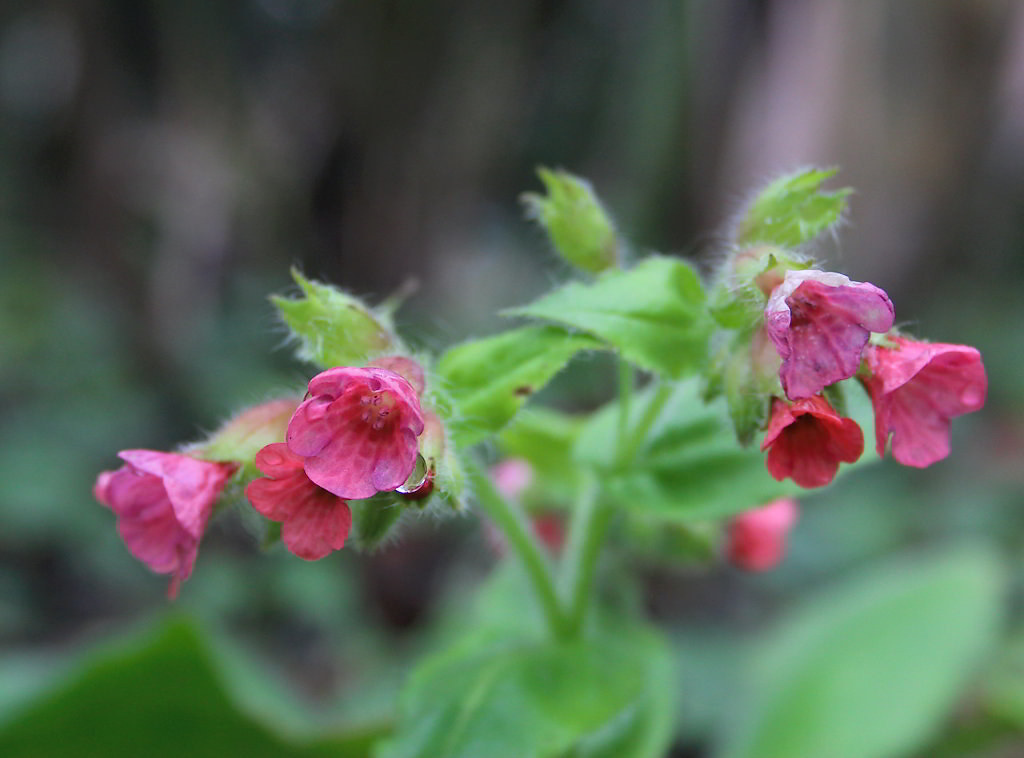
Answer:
(164, 696)
(532, 697)
(890, 649)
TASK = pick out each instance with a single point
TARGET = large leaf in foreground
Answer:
(162, 696)
(489, 379)
(870, 668)
(653, 313)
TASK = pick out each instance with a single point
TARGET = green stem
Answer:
(523, 542)
(586, 536)
(625, 397)
(628, 451)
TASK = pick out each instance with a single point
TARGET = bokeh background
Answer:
(162, 164)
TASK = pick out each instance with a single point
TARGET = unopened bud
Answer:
(575, 220)
(249, 431)
(334, 328)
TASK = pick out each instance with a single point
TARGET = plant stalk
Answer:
(521, 540)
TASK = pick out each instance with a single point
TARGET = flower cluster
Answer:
(355, 434)
(821, 326)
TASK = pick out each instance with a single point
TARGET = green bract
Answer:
(333, 328)
(792, 210)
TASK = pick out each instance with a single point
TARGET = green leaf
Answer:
(654, 313)
(792, 210)
(161, 696)
(489, 379)
(690, 468)
(645, 728)
(333, 328)
(504, 689)
(501, 697)
(870, 668)
(579, 228)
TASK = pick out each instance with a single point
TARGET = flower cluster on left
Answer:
(362, 434)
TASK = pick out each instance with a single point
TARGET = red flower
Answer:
(162, 502)
(357, 431)
(819, 322)
(916, 388)
(757, 538)
(314, 521)
(807, 439)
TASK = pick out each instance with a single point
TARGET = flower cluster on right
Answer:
(826, 328)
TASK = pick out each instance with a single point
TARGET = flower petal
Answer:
(317, 526)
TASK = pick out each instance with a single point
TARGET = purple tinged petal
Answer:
(820, 323)
(310, 428)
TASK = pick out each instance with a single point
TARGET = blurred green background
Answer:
(163, 163)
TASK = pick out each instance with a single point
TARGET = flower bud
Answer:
(757, 538)
(249, 431)
(334, 328)
(575, 221)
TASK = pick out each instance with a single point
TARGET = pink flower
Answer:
(807, 439)
(512, 476)
(314, 521)
(163, 501)
(757, 538)
(819, 323)
(357, 431)
(916, 388)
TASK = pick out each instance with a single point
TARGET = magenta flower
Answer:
(314, 521)
(806, 441)
(357, 431)
(162, 502)
(820, 322)
(757, 538)
(916, 388)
